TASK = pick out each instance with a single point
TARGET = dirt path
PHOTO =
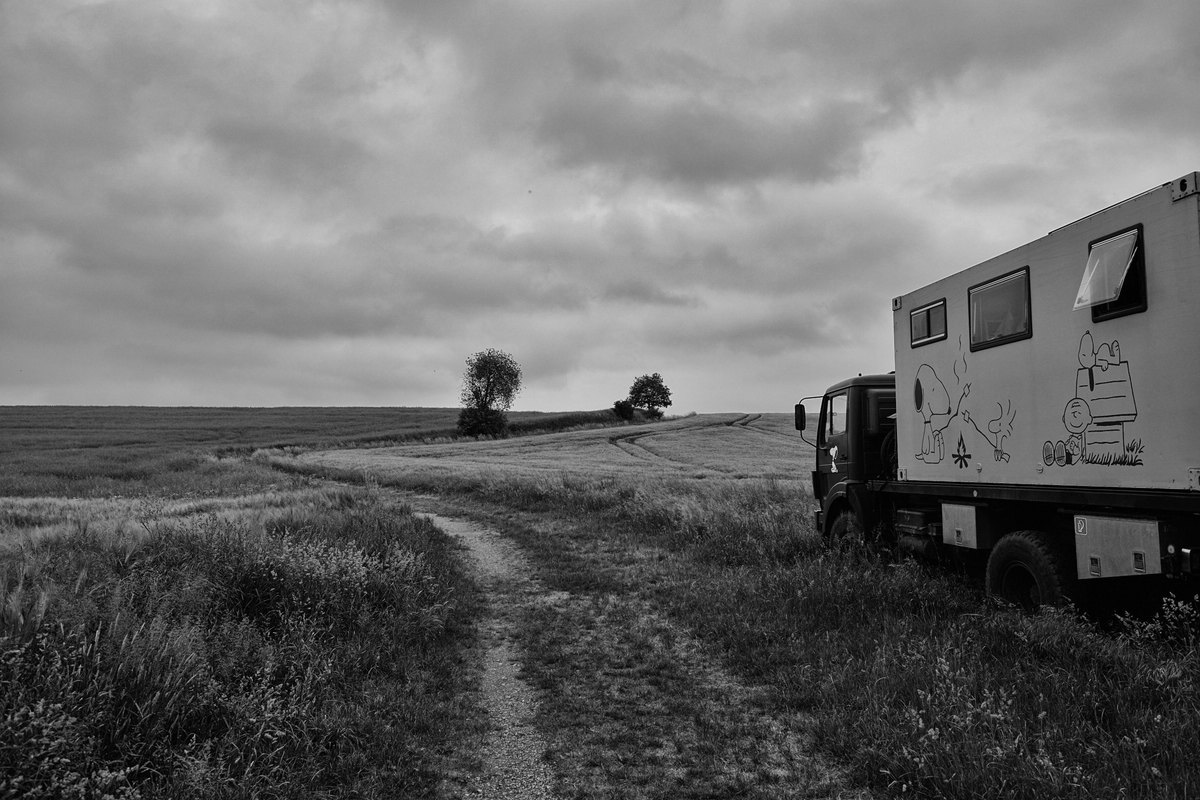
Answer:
(513, 755)
(627, 659)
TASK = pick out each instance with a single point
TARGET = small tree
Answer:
(623, 409)
(649, 392)
(491, 381)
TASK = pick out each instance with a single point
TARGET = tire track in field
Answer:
(631, 443)
(746, 423)
(623, 658)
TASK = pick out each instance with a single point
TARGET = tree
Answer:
(649, 392)
(491, 381)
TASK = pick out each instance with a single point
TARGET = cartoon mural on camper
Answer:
(959, 423)
(1095, 417)
(933, 401)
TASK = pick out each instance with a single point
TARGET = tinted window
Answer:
(928, 323)
(1000, 310)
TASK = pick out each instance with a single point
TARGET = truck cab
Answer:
(855, 443)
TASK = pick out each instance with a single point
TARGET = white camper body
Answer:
(1006, 375)
(1043, 408)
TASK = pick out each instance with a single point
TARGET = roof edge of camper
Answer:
(1181, 187)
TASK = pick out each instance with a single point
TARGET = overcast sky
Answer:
(336, 203)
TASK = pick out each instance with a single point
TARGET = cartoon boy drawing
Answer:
(1076, 417)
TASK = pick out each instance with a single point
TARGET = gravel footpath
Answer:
(513, 757)
(514, 754)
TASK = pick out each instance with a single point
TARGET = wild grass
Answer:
(639, 711)
(177, 623)
(704, 446)
(86, 451)
(916, 683)
(309, 650)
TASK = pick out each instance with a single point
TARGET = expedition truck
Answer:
(1044, 409)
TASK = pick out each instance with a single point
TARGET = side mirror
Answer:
(802, 417)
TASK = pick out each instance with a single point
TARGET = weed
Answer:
(914, 681)
(219, 656)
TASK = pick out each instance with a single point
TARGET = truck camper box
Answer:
(1070, 361)
(1044, 408)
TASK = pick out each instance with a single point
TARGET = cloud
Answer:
(647, 293)
(697, 143)
(338, 202)
(286, 152)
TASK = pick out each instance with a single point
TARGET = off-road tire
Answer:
(845, 528)
(1028, 569)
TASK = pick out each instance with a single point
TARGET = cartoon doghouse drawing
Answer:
(1104, 384)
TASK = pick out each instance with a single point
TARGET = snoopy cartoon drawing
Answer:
(932, 400)
(1091, 357)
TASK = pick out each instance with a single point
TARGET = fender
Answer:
(858, 496)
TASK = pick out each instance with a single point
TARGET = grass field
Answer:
(177, 620)
(197, 612)
(92, 451)
(698, 530)
(710, 446)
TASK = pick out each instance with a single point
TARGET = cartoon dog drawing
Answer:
(932, 400)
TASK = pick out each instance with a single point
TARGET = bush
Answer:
(482, 422)
(624, 409)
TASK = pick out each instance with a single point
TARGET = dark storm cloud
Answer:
(900, 51)
(697, 143)
(647, 91)
(752, 329)
(278, 201)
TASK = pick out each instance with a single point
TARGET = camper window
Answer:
(1114, 278)
(928, 323)
(1000, 310)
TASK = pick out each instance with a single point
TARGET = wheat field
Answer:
(707, 446)
(295, 636)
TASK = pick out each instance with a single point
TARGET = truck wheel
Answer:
(1027, 569)
(845, 528)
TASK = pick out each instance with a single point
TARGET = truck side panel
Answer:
(1032, 392)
